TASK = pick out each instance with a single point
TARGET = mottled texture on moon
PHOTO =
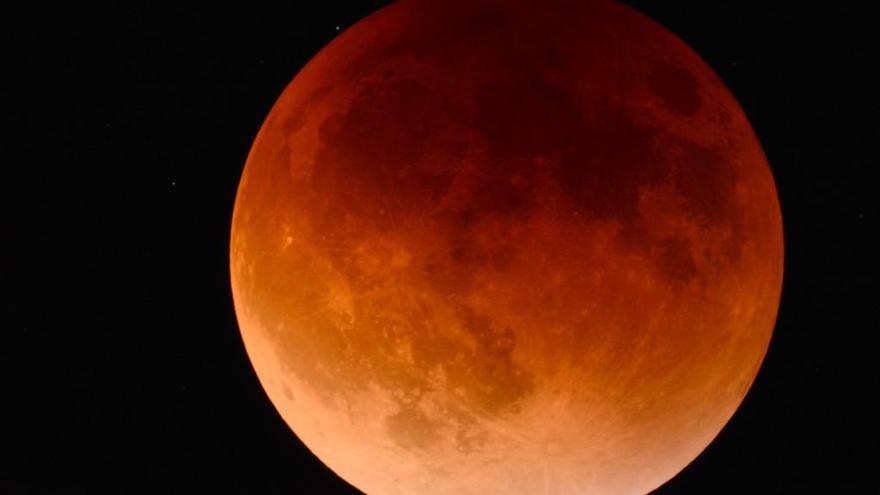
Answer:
(506, 247)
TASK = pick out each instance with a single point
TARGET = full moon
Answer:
(497, 247)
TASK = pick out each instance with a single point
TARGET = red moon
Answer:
(501, 246)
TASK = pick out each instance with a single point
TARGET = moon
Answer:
(496, 246)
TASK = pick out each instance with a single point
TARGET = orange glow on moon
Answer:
(506, 247)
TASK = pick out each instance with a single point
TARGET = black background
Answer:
(126, 132)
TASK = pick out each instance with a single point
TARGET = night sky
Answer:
(126, 132)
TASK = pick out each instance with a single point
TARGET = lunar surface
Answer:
(506, 247)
